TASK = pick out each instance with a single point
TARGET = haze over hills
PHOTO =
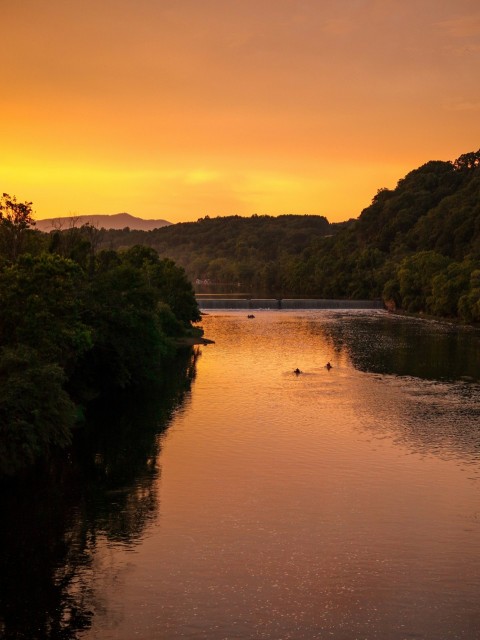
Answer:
(114, 221)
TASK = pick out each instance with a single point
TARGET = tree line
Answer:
(416, 246)
(77, 322)
(85, 310)
(255, 254)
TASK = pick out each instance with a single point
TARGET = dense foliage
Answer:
(85, 310)
(75, 323)
(416, 246)
(254, 254)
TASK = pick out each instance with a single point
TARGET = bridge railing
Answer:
(286, 303)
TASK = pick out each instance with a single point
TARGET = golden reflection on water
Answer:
(333, 504)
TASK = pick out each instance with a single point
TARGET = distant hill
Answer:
(115, 221)
(417, 246)
(255, 251)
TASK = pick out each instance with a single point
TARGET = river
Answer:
(341, 503)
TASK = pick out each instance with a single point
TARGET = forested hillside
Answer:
(256, 253)
(416, 246)
(76, 323)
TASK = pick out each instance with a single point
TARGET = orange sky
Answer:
(180, 108)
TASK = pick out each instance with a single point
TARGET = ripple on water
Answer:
(329, 504)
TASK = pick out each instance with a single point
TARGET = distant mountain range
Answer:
(115, 221)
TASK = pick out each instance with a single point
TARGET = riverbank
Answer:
(456, 322)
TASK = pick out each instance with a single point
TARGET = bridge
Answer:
(285, 303)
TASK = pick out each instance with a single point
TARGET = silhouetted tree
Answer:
(15, 219)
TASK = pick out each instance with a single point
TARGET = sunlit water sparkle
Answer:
(338, 504)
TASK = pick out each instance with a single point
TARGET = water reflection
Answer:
(309, 506)
(104, 489)
(434, 407)
(338, 503)
(389, 344)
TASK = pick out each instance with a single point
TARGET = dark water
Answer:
(104, 489)
(248, 502)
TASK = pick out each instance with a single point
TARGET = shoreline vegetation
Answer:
(86, 311)
(78, 324)
(417, 247)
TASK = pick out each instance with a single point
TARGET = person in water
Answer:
(297, 371)
(328, 366)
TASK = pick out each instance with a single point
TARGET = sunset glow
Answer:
(179, 109)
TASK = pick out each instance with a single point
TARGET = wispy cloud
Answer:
(463, 27)
(469, 49)
(462, 105)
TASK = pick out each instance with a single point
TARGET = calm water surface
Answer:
(338, 504)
